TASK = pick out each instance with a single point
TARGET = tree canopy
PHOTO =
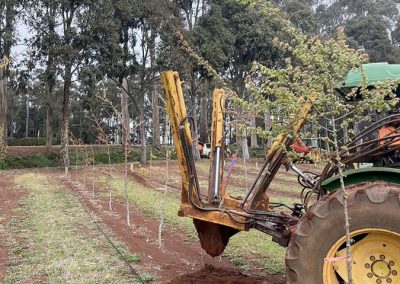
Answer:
(76, 52)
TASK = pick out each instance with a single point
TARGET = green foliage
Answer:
(368, 25)
(301, 14)
(129, 257)
(30, 141)
(80, 158)
(33, 161)
(312, 69)
(224, 37)
(370, 33)
(255, 152)
(233, 34)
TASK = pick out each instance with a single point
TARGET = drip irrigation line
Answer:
(133, 270)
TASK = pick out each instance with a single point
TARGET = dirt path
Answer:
(9, 197)
(181, 260)
(210, 274)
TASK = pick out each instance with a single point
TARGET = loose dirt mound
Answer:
(211, 274)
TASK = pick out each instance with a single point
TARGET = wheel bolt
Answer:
(388, 280)
(378, 281)
(367, 265)
(394, 272)
(391, 263)
(382, 257)
(372, 258)
(370, 275)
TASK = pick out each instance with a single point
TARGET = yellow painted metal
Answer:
(375, 258)
(176, 109)
(176, 112)
(276, 152)
(217, 136)
(217, 123)
(300, 119)
(216, 217)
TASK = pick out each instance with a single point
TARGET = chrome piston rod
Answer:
(216, 176)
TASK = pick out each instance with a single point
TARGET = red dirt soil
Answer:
(210, 274)
(181, 260)
(8, 201)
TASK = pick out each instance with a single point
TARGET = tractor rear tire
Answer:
(373, 207)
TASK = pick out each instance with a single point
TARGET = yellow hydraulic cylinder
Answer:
(217, 147)
(177, 112)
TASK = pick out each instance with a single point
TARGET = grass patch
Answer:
(295, 188)
(244, 249)
(148, 201)
(56, 242)
(33, 161)
(254, 247)
(286, 177)
(129, 257)
(283, 199)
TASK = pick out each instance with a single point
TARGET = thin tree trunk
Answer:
(245, 146)
(193, 96)
(3, 106)
(253, 138)
(154, 95)
(241, 138)
(109, 176)
(125, 112)
(142, 130)
(165, 136)
(328, 148)
(160, 227)
(50, 83)
(345, 202)
(195, 139)
(268, 126)
(128, 218)
(125, 133)
(155, 117)
(11, 116)
(7, 38)
(27, 116)
(65, 116)
(345, 134)
(242, 133)
(203, 120)
(93, 169)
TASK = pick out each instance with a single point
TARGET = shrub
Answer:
(30, 141)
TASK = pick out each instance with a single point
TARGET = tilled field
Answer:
(47, 236)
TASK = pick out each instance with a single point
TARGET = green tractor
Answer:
(374, 203)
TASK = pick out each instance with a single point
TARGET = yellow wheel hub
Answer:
(375, 258)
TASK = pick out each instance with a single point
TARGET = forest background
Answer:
(73, 72)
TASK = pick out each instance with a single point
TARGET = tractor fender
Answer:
(361, 175)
